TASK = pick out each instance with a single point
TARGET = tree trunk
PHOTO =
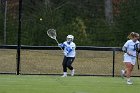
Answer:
(108, 11)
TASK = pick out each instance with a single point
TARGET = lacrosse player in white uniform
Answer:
(69, 54)
(130, 48)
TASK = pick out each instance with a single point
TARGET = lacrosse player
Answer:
(69, 54)
(130, 48)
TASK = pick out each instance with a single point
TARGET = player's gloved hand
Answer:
(60, 45)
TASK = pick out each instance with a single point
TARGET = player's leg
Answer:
(129, 68)
(129, 61)
(123, 72)
(126, 59)
(64, 64)
(69, 65)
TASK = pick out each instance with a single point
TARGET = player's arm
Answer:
(71, 48)
(68, 50)
(124, 49)
(62, 45)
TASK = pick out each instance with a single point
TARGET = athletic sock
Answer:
(65, 73)
(72, 72)
(128, 79)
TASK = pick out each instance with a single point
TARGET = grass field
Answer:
(57, 84)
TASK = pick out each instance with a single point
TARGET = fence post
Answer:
(113, 68)
(19, 37)
(5, 23)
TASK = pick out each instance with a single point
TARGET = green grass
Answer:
(57, 84)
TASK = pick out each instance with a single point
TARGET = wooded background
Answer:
(92, 22)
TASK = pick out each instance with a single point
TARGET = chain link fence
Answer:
(41, 60)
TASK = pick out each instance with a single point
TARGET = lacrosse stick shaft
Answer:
(58, 43)
(138, 61)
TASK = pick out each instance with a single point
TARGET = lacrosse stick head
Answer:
(52, 33)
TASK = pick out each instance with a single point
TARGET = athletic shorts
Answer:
(130, 59)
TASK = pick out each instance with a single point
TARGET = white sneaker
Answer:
(72, 72)
(64, 76)
(122, 73)
(129, 83)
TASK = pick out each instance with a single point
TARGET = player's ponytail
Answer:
(132, 35)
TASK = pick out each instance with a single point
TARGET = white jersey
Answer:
(131, 47)
(71, 46)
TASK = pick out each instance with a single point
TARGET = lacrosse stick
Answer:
(52, 34)
(138, 61)
(137, 55)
